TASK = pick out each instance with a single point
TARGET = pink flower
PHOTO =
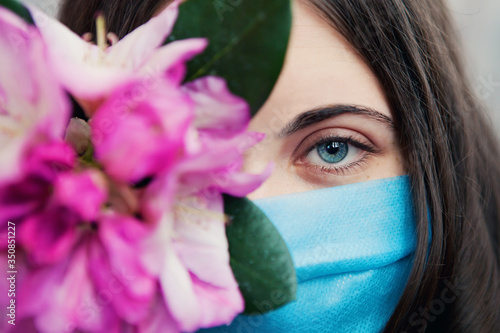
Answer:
(190, 257)
(83, 267)
(63, 263)
(218, 111)
(172, 274)
(135, 238)
(33, 106)
(189, 247)
(139, 132)
(33, 114)
(27, 193)
(49, 234)
(217, 149)
(91, 72)
(84, 275)
(100, 285)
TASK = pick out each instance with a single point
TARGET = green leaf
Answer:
(260, 259)
(248, 41)
(18, 9)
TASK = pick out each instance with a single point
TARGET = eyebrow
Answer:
(320, 114)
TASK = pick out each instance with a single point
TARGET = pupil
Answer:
(333, 148)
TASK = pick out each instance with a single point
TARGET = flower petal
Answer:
(80, 66)
(157, 244)
(219, 306)
(134, 49)
(217, 165)
(178, 293)
(159, 320)
(171, 58)
(48, 160)
(60, 40)
(216, 153)
(89, 83)
(33, 105)
(241, 184)
(201, 241)
(158, 198)
(158, 118)
(198, 270)
(68, 190)
(48, 237)
(116, 268)
(217, 109)
(39, 168)
(49, 295)
(20, 198)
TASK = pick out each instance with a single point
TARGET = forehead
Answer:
(322, 68)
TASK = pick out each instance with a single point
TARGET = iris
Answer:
(333, 151)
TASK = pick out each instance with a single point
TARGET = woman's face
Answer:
(327, 120)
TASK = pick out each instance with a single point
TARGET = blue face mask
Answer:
(352, 248)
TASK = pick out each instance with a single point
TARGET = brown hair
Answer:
(452, 155)
(122, 16)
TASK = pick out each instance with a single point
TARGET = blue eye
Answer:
(333, 151)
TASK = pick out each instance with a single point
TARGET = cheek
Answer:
(390, 165)
(283, 181)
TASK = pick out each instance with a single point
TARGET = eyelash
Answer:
(345, 169)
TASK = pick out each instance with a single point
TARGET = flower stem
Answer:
(101, 32)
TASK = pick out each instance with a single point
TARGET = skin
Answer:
(322, 70)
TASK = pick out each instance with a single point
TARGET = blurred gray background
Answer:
(478, 24)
